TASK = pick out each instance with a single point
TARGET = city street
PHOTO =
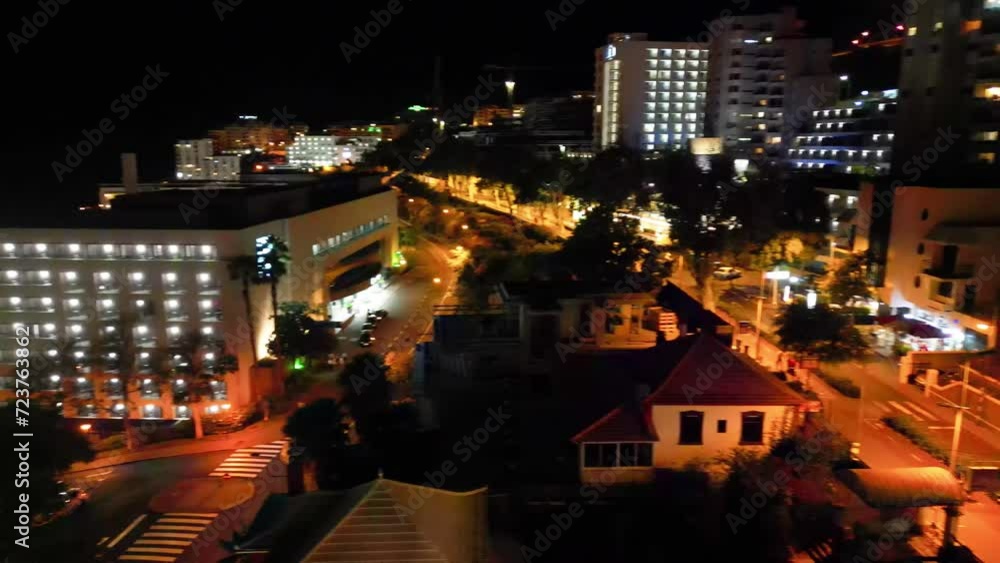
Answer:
(118, 495)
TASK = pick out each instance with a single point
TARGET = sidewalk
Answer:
(254, 434)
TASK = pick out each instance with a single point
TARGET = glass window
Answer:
(752, 428)
(691, 423)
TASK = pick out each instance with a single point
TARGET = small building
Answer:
(713, 401)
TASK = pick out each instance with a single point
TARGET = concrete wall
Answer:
(666, 419)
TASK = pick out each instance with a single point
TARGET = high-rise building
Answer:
(949, 92)
(649, 95)
(765, 77)
(196, 160)
(853, 136)
(313, 151)
(158, 260)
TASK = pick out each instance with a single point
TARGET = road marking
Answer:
(232, 474)
(881, 406)
(164, 550)
(146, 558)
(916, 457)
(163, 542)
(184, 521)
(921, 411)
(195, 514)
(940, 427)
(171, 528)
(174, 535)
(126, 531)
(905, 410)
(104, 539)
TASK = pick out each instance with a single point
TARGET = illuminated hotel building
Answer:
(196, 160)
(650, 95)
(160, 260)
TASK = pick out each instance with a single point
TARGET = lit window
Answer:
(8, 247)
(207, 330)
(43, 274)
(173, 249)
(204, 277)
(108, 248)
(174, 330)
(107, 303)
(206, 304)
(12, 274)
(73, 303)
(76, 329)
(41, 247)
(140, 249)
(206, 250)
(911, 31)
(70, 276)
(172, 303)
(170, 277)
(47, 301)
(104, 276)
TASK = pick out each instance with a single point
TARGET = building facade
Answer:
(941, 267)
(854, 136)
(155, 265)
(763, 74)
(649, 95)
(196, 160)
(950, 82)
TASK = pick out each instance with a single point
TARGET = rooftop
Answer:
(208, 208)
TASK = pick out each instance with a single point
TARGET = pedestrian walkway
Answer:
(249, 462)
(169, 536)
(909, 408)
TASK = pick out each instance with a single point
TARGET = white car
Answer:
(727, 273)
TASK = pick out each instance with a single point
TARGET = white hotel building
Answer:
(196, 160)
(650, 95)
(161, 258)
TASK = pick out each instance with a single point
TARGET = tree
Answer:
(819, 331)
(608, 250)
(612, 177)
(850, 280)
(319, 429)
(244, 269)
(272, 262)
(298, 335)
(704, 209)
(202, 362)
(55, 445)
(367, 391)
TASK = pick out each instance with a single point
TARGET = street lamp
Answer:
(510, 91)
(959, 412)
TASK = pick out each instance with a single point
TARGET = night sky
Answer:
(265, 55)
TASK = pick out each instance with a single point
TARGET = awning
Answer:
(907, 487)
(966, 235)
(924, 330)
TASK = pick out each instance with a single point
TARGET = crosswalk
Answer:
(169, 536)
(908, 408)
(249, 462)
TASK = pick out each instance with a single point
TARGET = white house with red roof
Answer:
(714, 401)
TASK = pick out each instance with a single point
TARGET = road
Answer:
(860, 420)
(118, 495)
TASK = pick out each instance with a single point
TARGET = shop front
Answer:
(356, 292)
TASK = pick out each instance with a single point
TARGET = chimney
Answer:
(130, 173)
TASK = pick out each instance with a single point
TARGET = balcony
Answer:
(961, 272)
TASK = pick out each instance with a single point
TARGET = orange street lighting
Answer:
(411, 200)
(446, 211)
(465, 227)
(437, 280)
(85, 428)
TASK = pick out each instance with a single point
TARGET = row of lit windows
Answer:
(347, 236)
(819, 138)
(677, 53)
(105, 305)
(669, 64)
(688, 117)
(103, 281)
(674, 96)
(142, 332)
(675, 75)
(108, 251)
(667, 106)
(668, 138)
(676, 127)
(849, 153)
(653, 85)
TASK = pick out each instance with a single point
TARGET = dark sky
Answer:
(287, 54)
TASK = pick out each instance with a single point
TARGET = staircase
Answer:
(377, 532)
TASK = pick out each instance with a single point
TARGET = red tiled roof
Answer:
(737, 380)
(619, 425)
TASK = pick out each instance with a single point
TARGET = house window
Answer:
(618, 455)
(752, 428)
(691, 422)
(720, 427)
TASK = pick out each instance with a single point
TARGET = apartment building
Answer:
(196, 160)
(942, 265)
(649, 95)
(764, 78)
(854, 136)
(159, 259)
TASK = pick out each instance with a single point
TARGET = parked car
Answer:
(727, 273)
(368, 327)
(70, 500)
(366, 339)
(381, 314)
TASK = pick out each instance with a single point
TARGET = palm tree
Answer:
(244, 269)
(192, 347)
(272, 265)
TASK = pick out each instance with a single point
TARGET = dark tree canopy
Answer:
(820, 331)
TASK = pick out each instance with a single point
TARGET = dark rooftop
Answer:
(208, 209)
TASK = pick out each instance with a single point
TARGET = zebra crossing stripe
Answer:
(882, 407)
(205, 515)
(232, 474)
(165, 550)
(183, 521)
(128, 557)
(905, 410)
(174, 535)
(162, 542)
(921, 411)
(172, 528)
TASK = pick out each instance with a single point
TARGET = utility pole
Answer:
(760, 315)
(959, 411)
